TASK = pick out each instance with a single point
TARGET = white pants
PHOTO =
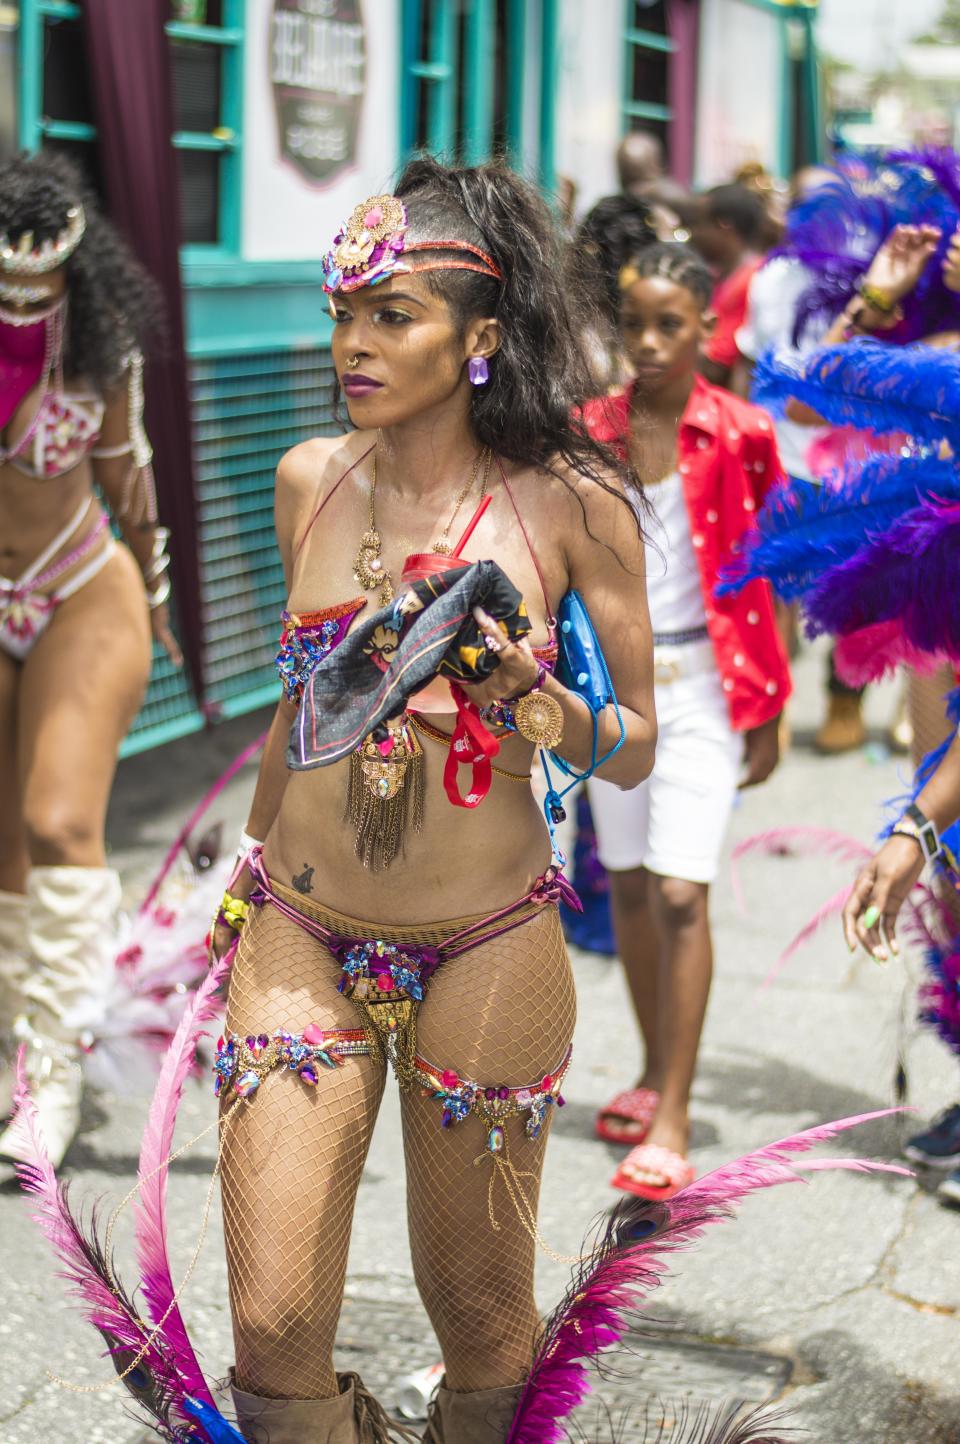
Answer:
(674, 823)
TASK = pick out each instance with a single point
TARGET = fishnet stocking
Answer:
(291, 1165)
(502, 1013)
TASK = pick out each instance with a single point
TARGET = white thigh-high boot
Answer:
(13, 968)
(71, 948)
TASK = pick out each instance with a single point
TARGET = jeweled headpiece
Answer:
(33, 260)
(367, 249)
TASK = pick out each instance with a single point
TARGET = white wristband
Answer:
(247, 843)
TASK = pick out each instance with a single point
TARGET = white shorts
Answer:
(674, 823)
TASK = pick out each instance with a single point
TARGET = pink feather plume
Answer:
(630, 1260)
(150, 1208)
(82, 1263)
(869, 654)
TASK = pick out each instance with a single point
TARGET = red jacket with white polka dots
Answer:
(728, 461)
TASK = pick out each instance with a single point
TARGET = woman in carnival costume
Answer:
(456, 346)
(836, 234)
(871, 556)
(392, 927)
(76, 606)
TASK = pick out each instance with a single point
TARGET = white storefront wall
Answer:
(740, 89)
(589, 88)
(285, 215)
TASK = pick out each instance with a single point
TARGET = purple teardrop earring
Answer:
(478, 370)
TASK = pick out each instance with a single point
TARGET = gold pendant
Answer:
(390, 1023)
(368, 567)
(386, 787)
(539, 719)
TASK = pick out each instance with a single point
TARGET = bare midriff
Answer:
(463, 861)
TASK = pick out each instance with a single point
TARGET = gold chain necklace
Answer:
(442, 544)
(368, 568)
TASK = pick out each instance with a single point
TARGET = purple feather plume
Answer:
(630, 1259)
(909, 573)
(150, 1209)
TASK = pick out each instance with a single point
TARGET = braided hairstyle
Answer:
(539, 377)
(672, 261)
(115, 305)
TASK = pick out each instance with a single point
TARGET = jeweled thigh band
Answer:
(386, 978)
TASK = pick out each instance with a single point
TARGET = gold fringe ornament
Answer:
(385, 793)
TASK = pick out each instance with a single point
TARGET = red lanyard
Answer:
(472, 745)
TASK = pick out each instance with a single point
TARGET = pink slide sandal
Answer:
(652, 1158)
(633, 1105)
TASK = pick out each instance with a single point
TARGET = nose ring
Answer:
(353, 363)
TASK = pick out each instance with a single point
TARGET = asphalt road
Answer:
(839, 1296)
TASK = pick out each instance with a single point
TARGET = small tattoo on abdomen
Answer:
(303, 882)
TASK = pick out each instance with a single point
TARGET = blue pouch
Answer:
(580, 667)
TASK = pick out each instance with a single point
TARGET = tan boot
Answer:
(351, 1417)
(843, 729)
(71, 952)
(481, 1417)
(13, 968)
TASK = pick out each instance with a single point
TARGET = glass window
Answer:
(197, 76)
(467, 83)
(648, 51)
(206, 43)
(199, 193)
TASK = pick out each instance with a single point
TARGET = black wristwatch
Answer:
(915, 824)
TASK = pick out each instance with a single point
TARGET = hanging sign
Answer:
(318, 74)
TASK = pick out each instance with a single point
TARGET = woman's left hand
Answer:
(517, 668)
(161, 632)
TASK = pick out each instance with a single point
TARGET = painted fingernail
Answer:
(871, 917)
(879, 955)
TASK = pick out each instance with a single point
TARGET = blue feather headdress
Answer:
(805, 530)
(868, 384)
(837, 229)
(909, 574)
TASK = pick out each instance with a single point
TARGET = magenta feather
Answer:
(869, 654)
(630, 1259)
(800, 841)
(87, 1271)
(150, 1209)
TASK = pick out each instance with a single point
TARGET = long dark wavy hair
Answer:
(114, 304)
(539, 378)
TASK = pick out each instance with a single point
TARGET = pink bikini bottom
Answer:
(26, 607)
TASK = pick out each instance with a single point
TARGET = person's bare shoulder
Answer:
(591, 520)
(304, 475)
